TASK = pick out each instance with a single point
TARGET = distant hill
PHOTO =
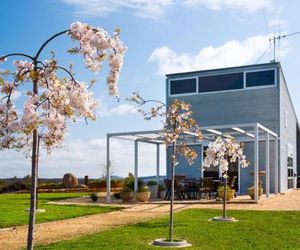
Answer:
(81, 180)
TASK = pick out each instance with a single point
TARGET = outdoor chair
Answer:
(168, 188)
(207, 187)
(178, 189)
(191, 188)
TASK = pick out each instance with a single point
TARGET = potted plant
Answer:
(251, 191)
(221, 153)
(143, 194)
(126, 194)
(129, 181)
(94, 197)
(229, 194)
(153, 188)
(161, 191)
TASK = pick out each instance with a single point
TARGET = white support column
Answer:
(256, 162)
(201, 159)
(276, 180)
(239, 179)
(268, 165)
(157, 163)
(108, 169)
(136, 165)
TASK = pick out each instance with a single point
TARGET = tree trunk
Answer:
(225, 196)
(171, 225)
(34, 165)
(37, 171)
(30, 237)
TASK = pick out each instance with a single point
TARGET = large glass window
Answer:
(183, 86)
(220, 82)
(260, 78)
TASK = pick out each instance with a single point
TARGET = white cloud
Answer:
(153, 9)
(83, 157)
(122, 109)
(232, 53)
(243, 5)
(16, 95)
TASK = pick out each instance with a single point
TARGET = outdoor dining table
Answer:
(191, 188)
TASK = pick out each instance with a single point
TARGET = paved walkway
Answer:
(15, 238)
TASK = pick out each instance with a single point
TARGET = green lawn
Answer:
(12, 208)
(255, 230)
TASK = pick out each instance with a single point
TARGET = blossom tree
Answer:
(177, 125)
(51, 99)
(222, 152)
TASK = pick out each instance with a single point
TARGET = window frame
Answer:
(182, 78)
(225, 90)
(262, 86)
(275, 69)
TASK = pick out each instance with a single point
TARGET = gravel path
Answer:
(15, 238)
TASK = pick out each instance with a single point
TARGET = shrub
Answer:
(127, 189)
(143, 189)
(50, 185)
(117, 195)
(94, 196)
(129, 181)
(97, 184)
(221, 188)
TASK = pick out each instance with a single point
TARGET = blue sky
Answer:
(162, 37)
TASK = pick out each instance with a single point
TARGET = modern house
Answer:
(251, 103)
(237, 96)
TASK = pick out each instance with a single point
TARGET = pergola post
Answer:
(108, 169)
(256, 162)
(136, 165)
(267, 165)
(201, 160)
(157, 163)
(276, 166)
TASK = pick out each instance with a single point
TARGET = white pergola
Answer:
(241, 132)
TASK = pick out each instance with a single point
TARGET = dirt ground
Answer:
(15, 238)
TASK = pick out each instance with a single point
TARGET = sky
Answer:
(162, 36)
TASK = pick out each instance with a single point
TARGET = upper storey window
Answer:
(260, 78)
(221, 82)
(183, 86)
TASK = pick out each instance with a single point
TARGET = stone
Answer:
(224, 219)
(70, 181)
(82, 186)
(172, 244)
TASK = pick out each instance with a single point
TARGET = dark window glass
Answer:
(260, 78)
(290, 172)
(220, 82)
(183, 86)
(290, 161)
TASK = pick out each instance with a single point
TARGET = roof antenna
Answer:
(275, 38)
